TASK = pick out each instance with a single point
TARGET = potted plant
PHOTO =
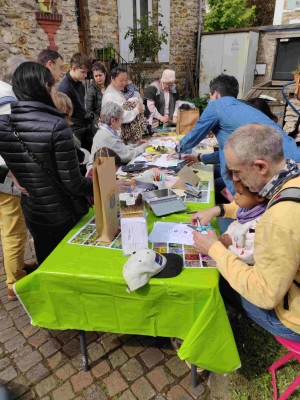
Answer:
(145, 43)
(45, 6)
(297, 80)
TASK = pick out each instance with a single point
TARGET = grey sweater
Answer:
(105, 138)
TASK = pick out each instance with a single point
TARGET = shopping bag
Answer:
(186, 121)
(105, 198)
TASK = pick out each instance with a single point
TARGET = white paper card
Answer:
(134, 234)
(170, 232)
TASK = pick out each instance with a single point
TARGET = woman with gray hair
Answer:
(107, 136)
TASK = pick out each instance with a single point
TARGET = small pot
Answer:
(45, 6)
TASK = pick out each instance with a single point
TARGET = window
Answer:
(131, 10)
(287, 59)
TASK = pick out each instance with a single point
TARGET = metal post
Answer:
(194, 377)
(85, 360)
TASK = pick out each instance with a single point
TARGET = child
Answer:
(64, 104)
(239, 237)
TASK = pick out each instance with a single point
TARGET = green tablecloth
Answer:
(80, 287)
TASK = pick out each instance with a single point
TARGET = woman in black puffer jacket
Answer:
(49, 209)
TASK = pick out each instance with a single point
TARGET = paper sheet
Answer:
(170, 232)
(164, 163)
(134, 234)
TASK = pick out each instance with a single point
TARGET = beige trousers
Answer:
(14, 237)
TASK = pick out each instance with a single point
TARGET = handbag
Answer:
(80, 204)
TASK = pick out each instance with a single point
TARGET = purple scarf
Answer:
(244, 215)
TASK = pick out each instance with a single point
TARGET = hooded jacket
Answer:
(48, 136)
(7, 97)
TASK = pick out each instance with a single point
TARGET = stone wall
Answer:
(266, 55)
(101, 24)
(20, 34)
(66, 38)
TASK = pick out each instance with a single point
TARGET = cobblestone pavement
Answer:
(37, 363)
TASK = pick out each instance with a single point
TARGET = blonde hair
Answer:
(64, 104)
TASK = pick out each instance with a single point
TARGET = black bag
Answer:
(80, 204)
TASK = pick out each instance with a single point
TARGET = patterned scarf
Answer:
(244, 215)
(289, 171)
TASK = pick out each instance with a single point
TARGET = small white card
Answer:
(134, 235)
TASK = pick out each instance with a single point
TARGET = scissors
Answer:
(199, 227)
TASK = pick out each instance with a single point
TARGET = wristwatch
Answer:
(177, 148)
(199, 157)
(222, 210)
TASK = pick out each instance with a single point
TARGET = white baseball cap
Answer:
(146, 263)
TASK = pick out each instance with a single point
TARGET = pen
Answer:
(191, 212)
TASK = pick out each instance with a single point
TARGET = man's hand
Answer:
(173, 153)
(205, 216)
(142, 141)
(16, 183)
(225, 240)
(122, 182)
(164, 119)
(192, 158)
(203, 243)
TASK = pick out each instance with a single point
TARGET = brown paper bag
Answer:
(186, 121)
(105, 198)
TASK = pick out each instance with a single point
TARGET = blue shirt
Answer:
(223, 116)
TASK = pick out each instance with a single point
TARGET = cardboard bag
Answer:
(186, 121)
(186, 175)
(105, 198)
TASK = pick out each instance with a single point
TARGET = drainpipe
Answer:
(197, 81)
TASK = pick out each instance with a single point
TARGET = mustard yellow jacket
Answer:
(277, 261)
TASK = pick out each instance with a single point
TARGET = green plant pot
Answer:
(45, 6)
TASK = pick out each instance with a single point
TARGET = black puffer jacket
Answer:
(49, 138)
(94, 99)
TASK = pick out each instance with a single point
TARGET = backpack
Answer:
(289, 194)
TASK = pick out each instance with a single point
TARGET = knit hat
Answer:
(168, 76)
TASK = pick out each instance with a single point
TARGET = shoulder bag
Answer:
(80, 204)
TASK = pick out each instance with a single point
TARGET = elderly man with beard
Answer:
(269, 291)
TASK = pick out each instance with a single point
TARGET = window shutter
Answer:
(164, 54)
(125, 13)
(291, 4)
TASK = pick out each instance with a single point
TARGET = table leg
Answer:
(85, 360)
(194, 377)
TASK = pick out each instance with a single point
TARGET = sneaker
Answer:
(176, 343)
(11, 295)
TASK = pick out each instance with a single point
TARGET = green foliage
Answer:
(146, 41)
(226, 14)
(200, 102)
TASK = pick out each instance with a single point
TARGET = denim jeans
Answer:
(267, 319)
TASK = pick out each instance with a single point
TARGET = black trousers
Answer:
(47, 237)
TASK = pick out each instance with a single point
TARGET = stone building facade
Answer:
(287, 12)
(267, 46)
(89, 25)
